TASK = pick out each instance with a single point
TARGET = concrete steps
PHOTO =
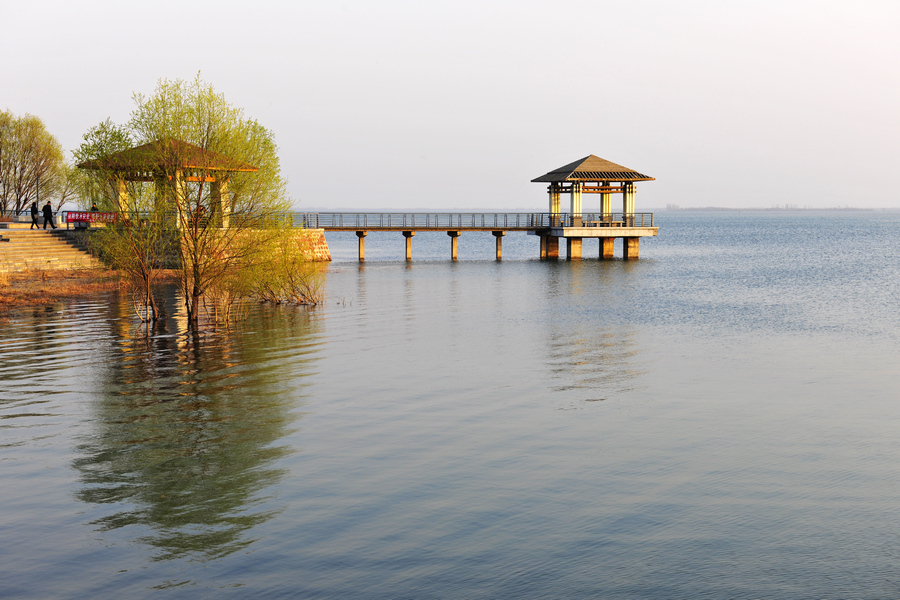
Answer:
(40, 249)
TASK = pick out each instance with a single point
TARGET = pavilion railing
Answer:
(450, 221)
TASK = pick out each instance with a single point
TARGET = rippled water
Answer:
(717, 420)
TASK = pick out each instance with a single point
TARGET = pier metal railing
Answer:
(449, 221)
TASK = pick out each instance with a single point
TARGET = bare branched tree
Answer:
(32, 164)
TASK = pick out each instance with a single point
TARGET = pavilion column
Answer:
(573, 248)
(498, 235)
(409, 235)
(607, 247)
(605, 204)
(575, 204)
(554, 203)
(180, 199)
(362, 245)
(454, 239)
(121, 195)
(221, 202)
(161, 195)
(628, 203)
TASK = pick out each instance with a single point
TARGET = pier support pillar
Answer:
(630, 247)
(362, 245)
(607, 248)
(409, 235)
(573, 248)
(498, 235)
(454, 239)
(549, 246)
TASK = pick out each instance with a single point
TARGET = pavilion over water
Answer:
(593, 175)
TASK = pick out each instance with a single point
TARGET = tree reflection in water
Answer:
(188, 429)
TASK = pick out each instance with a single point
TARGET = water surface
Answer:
(716, 420)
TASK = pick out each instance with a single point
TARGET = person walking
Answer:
(48, 215)
(34, 216)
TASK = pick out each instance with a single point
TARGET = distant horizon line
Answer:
(670, 208)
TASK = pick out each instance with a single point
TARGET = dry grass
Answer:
(28, 289)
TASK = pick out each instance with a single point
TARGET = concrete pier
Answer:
(454, 239)
(409, 235)
(362, 245)
(498, 236)
(607, 248)
(630, 247)
(549, 246)
(573, 248)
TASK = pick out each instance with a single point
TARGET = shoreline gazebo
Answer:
(170, 163)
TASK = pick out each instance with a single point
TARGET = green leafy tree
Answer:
(214, 172)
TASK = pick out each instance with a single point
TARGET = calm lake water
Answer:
(720, 419)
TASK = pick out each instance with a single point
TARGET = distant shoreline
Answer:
(769, 209)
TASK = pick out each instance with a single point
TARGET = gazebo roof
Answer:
(592, 168)
(167, 154)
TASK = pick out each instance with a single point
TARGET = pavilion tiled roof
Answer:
(592, 168)
(167, 154)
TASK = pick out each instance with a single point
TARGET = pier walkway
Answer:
(548, 226)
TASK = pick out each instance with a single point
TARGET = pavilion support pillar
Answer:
(454, 239)
(181, 202)
(121, 195)
(607, 248)
(630, 247)
(221, 203)
(498, 236)
(628, 203)
(362, 245)
(549, 246)
(554, 203)
(409, 235)
(606, 204)
(575, 204)
(573, 248)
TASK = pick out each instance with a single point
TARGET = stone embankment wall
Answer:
(314, 244)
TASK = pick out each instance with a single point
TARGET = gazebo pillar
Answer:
(605, 204)
(221, 202)
(180, 199)
(121, 195)
(575, 204)
(554, 203)
(628, 192)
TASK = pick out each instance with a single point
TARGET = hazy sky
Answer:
(440, 105)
